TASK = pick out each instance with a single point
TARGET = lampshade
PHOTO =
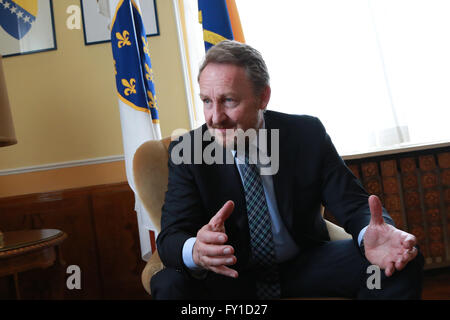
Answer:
(7, 133)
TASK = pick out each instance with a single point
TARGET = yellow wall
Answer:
(65, 108)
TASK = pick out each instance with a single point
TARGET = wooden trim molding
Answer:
(61, 165)
(397, 150)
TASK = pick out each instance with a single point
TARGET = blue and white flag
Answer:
(220, 21)
(18, 16)
(136, 94)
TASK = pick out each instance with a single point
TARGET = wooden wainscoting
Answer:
(103, 240)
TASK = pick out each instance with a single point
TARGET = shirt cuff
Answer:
(361, 235)
(188, 259)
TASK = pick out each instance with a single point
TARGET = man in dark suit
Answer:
(229, 232)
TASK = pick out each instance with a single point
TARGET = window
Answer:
(377, 73)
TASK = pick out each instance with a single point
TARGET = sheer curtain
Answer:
(195, 49)
(376, 72)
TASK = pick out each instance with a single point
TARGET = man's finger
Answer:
(409, 242)
(222, 215)
(215, 250)
(219, 261)
(405, 258)
(401, 262)
(411, 254)
(224, 270)
(389, 271)
(376, 210)
(212, 237)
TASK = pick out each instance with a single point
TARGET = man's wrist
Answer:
(361, 247)
(193, 269)
(188, 251)
(361, 235)
(361, 240)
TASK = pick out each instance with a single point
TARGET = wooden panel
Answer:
(103, 240)
(118, 243)
(392, 192)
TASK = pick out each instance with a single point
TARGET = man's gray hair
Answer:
(243, 55)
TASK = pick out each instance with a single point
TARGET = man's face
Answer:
(229, 101)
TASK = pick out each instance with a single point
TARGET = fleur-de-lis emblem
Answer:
(115, 67)
(149, 73)
(151, 100)
(130, 86)
(146, 47)
(124, 39)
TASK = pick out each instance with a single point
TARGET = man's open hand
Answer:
(210, 251)
(386, 246)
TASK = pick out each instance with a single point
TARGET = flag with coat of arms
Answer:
(136, 95)
(220, 21)
(17, 16)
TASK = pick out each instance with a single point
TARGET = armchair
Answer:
(150, 172)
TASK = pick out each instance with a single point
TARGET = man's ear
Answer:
(265, 97)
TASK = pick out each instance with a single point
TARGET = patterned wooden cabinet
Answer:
(414, 187)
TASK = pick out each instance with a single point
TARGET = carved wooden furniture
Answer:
(31, 249)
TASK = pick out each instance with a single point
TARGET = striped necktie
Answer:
(261, 238)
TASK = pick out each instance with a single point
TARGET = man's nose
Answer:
(218, 115)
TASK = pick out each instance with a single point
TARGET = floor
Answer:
(436, 284)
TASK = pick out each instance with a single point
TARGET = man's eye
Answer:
(206, 100)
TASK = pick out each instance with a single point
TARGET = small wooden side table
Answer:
(30, 249)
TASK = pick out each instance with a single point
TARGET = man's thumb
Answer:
(223, 214)
(376, 210)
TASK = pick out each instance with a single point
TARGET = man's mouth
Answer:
(224, 131)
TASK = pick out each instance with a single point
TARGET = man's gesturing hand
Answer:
(389, 248)
(210, 250)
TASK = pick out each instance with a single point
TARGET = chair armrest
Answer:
(336, 232)
(153, 265)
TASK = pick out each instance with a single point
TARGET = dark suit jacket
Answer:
(310, 173)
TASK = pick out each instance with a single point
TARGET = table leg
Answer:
(58, 276)
(16, 285)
